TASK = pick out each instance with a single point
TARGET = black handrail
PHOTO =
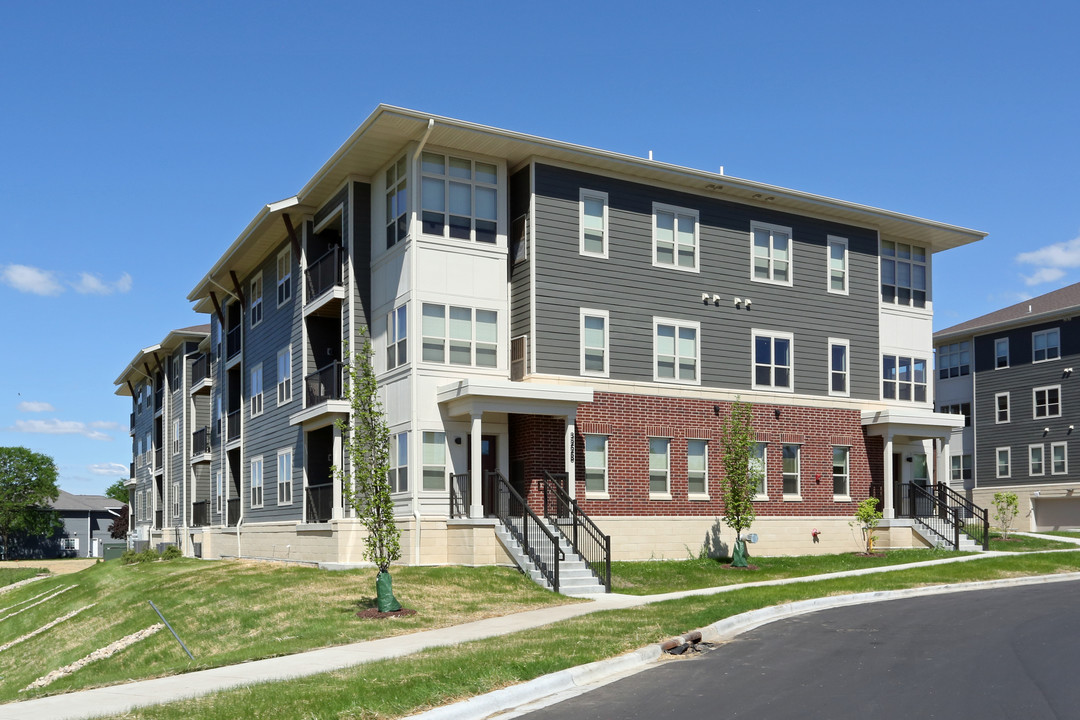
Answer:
(233, 424)
(584, 536)
(200, 441)
(324, 273)
(232, 342)
(324, 384)
(459, 495)
(232, 507)
(200, 513)
(320, 503)
(941, 514)
(976, 519)
(537, 541)
(200, 369)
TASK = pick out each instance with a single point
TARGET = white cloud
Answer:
(31, 280)
(58, 427)
(90, 284)
(1050, 261)
(1044, 275)
(30, 406)
(105, 425)
(108, 468)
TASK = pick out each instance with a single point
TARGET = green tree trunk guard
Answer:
(739, 556)
(384, 592)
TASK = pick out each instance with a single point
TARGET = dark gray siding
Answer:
(633, 291)
(217, 443)
(1019, 380)
(520, 284)
(176, 463)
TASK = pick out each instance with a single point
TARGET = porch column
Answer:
(888, 511)
(943, 468)
(476, 498)
(570, 453)
(337, 512)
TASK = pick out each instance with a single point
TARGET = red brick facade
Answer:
(536, 443)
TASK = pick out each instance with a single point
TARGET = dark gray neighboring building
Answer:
(86, 520)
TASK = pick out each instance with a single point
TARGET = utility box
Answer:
(112, 550)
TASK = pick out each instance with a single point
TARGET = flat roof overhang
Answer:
(910, 422)
(475, 396)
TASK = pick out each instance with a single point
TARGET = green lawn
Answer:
(394, 688)
(1064, 533)
(9, 576)
(1022, 543)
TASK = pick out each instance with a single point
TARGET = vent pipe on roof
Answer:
(1029, 308)
(650, 155)
(721, 169)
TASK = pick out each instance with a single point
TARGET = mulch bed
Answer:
(374, 613)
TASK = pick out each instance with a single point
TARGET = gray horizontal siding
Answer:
(520, 283)
(633, 291)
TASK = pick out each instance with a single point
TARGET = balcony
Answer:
(159, 398)
(326, 383)
(200, 513)
(159, 458)
(233, 423)
(200, 374)
(320, 503)
(324, 274)
(200, 442)
(232, 343)
(132, 425)
(233, 507)
(131, 467)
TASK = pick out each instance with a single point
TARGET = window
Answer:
(841, 471)
(675, 351)
(434, 461)
(220, 416)
(838, 265)
(465, 335)
(675, 237)
(771, 253)
(176, 499)
(659, 467)
(903, 378)
(1035, 460)
(903, 274)
(1001, 404)
(176, 437)
(138, 400)
(596, 465)
(697, 464)
(594, 342)
(790, 454)
(954, 360)
(759, 465)
(257, 482)
(256, 390)
(1047, 401)
(220, 491)
(69, 544)
(175, 378)
(255, 300)
(149, 450)
(284, 276)
(1004, 462)
(961, 467)
(399, 462)
(1059, 458)
(284, 374)
(138, 453)
(773, 360)
(838, 367)
(1001, 353)
(1045, 345)
(396, 337)
(593, 210)
(959, 409)
(397, 202)
(459, 198)
(284, 477)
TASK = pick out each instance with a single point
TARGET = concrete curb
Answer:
(596, 673)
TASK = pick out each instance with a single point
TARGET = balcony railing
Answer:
(157, 519)
(233, 507)
(234, 425)
(320, 503)
(232, 342)
(326, 383)
(159, 458)
(324, 273)
(131, 467)
(200, 369)
(132, 421)
(159, 397)
(200, 441)
(200, 513)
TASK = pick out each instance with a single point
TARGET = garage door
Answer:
(1056, 513)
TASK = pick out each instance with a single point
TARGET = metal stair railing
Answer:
(584, 536)
(459, 495)
(941, 519)
(537, 541)
(976, 520)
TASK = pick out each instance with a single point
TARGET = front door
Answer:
(489, 462)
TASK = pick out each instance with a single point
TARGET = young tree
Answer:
(1006, 507)
(118, 491)
(27, 484)
(365, 482)
(741, 476)
(867, 517)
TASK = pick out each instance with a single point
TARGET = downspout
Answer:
(89, 535)
(412, 384)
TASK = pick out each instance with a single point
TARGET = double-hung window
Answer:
(256, 390)
(256, 482)
(175, 379)
(1045, 345)
(472, 336)
(903, 378)
(399, 462)
(954, 360)
(1001, 407)
(773, 360)
(459, 198)
(593, 211)
(397, 202)
(903, 274)
(596, 465)
(675, 237)
(697, 468)
(1001, 353)
(1059, 458)
(284, 276)
(790, 471)
(1035, 460)
(771, 253)
(284, 477)
(284, 375)
(397, 337)
(659, 467)
(675, 351)
(961, 467)
(594, 342)
(176, 437)
(1047, 402)
(434, 461)
(255, 301)
(838, 367)
(838, 265)
(759, 465)
(841, 471)
(1004, 462)
(138, 453)
(176, 499)
(220, 494)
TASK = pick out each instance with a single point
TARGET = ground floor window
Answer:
(790, 470)
(841, 461)
(434, 461)
(596, 464)
(759, 465)
(69, 544)
(697, 464)
(659, 465)
(1004, 462)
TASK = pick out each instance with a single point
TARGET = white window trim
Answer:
(594, 494)
(772, 335)
(997, 462)
(256, 395)
(1052, 446)
(1034, 407)
(830, 241)
(1031, 471)
(1045, 332)
(1008, 408)
(287, 351)
(697, 496)
(661, 207)
(797, 496)
(660, 495)
(262, 481)
(399, 342)
(927, 384)
(176, 438)
(256, 282)
(280, 453)
(1008, 358)
(678, 324)
(847, 371)
(603, 197)
(846, 497)
(588, 312)
(282, 278)
(764, 472)
(754, 225)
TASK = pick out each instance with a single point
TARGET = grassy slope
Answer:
(9, 576)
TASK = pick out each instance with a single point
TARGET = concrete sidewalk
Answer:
(118, 699)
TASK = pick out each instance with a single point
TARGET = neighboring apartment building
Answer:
(85, 522)
(1010, 373)
(541, 307)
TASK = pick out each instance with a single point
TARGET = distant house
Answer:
(86, 520)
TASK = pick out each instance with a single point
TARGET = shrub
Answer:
(171, 552)
(1006, 507)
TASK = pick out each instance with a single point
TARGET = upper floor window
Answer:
(176, 380)
(256, 300)
(1001, 353)
(1047, 401)
(771, 253)
(773, 360)
(1035, 460)
(593, 209)
(594, 342)
(1001, 405)
(284, 374)
(1045, 345)
(903, 274)
(256, 390)
(176, 437)
(954, 360)
(472, 336)
(838, 265)
(675, 237)
(397, 202)
(459, 198)
(675, 351)
(838, 367)
(397, 337)
(284, 276)
(959, 409)
(903, 378)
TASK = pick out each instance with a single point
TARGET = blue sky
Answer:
(140, 138)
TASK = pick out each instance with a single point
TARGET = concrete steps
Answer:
(575, 578)
(966, 543)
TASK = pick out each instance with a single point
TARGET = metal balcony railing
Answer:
(200, 369)
(159, 458)
(232, 342)
(233, 423)
(233, 512)
(320, 503)
(200, 513)
(157, 519)
(324, 273)
(200, 441)
(326, 383)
